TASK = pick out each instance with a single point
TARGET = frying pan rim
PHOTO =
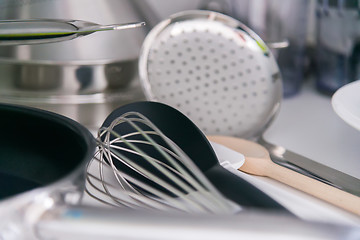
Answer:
(83, 133)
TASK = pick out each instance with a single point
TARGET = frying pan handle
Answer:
(94, 223)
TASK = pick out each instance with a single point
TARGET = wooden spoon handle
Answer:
(315, 188)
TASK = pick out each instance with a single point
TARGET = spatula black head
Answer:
(184, 133)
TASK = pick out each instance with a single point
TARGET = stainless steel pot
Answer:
(94, 70)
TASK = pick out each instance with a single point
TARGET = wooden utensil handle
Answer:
(315, 188)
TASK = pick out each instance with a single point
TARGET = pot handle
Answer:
(102, 223)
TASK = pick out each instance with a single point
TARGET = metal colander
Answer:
(214, 70)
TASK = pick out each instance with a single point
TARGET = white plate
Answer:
(346, 103)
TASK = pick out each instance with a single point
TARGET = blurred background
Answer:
(314, 41)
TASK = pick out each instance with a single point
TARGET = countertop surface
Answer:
(308, 125)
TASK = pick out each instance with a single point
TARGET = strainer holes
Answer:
(223, 56)
(168, 72)
(207, 67)
(205, 93)
(178, 105)
(193, 58)
(197, 39)
(232, 51)
(214, 91)
(212, 50)
(221, 45)
(213, 121)
(206, 85)
(232, 77)
(198, 67)
(198, 78)
(188, 49)
(253, 82)
(258, 67)
(181, 92)
(197, 87)
(262, 79)
(223, 79)
(225, 67)
(251, 56)
(172, 61)
(185, 41)
(215, 81)
(189, 90)
(179, 54)
(187, 102)
(245, 96)
(233, 64)
(184, 63)
(225, 120)
(217, 130)
(254, 94)
(248, 70)
(177, 81)
(187, 80)
(188, 113)
(240, 74)
(265, 92)
(207, 75)
(179, 71)
(167, 52)
(244, 84)
(175, 45)
(225, 89)
(230, 128)
(201, 48)
(201, 119)
(209, 40)
(241, 60)
(204, 57)
(190, 72)
(216, 71)
(216, 60)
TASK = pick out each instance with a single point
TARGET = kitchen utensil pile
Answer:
(146, 169)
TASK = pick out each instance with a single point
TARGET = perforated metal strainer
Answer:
(213, 69)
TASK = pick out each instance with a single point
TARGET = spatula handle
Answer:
(315, 188)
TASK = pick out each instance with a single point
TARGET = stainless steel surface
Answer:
(37, 31)
(126, 224)
(85, 78)
(213, 69)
